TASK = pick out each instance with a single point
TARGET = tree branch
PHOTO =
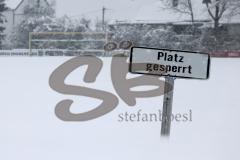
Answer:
(209, 11)
(223, 9)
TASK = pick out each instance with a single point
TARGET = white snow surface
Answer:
(31, 131)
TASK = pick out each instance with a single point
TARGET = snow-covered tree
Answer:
(36, 18)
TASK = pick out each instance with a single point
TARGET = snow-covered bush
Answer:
(161, 38)
(35, 18)
(221, 40)
(42, 19)
(134, 33)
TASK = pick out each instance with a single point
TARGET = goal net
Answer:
(67, 43)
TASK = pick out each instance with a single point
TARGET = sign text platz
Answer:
(163, 62)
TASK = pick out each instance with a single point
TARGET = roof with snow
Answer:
(14, 4)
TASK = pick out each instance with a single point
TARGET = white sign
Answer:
(173, 63)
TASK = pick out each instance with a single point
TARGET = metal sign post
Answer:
(170, 64)
(167, 106)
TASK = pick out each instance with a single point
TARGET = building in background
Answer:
(14, 16)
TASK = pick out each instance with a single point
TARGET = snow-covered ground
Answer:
(31, 131)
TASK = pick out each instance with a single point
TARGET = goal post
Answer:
(76, 43)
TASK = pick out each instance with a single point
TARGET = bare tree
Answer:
(181, 6)
(217, 8)
(234, 8)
